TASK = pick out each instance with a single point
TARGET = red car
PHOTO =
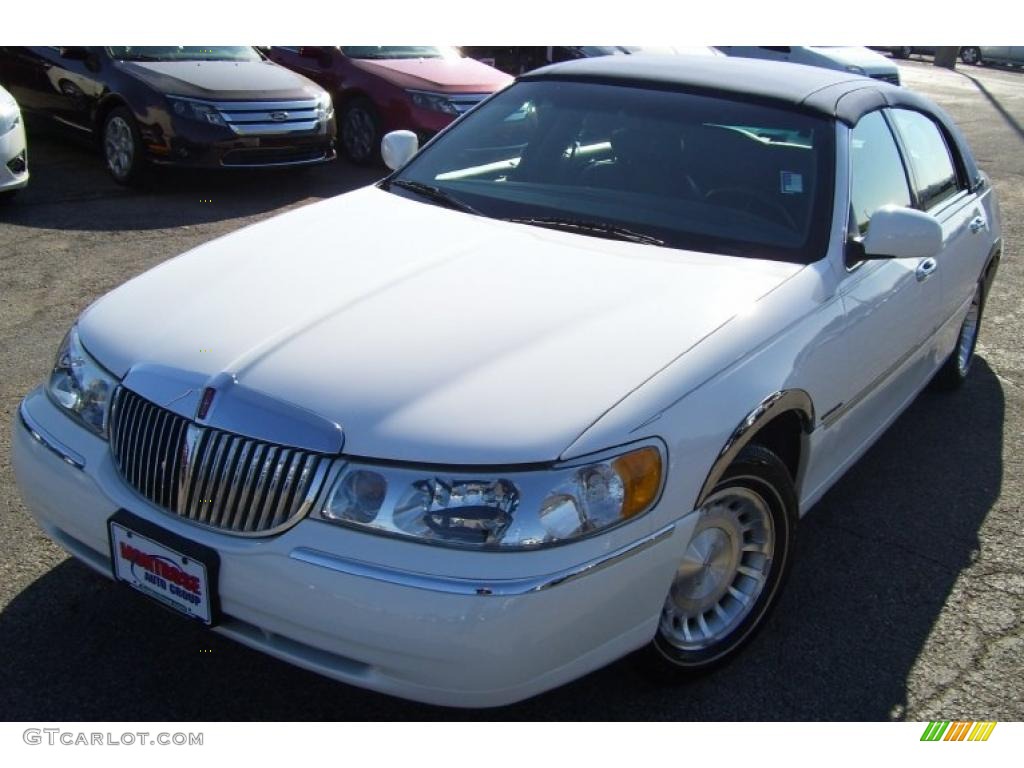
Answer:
(377, 89)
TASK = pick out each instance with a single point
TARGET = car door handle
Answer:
(977, 224)
(925, 268)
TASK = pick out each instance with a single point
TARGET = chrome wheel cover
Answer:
(358, 132)
(119, 146)
(723, 572)
(968, 335)
(969, 55)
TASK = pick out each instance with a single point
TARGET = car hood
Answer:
(857, 56)
(427, 334)
(228, 80)
(449, 75)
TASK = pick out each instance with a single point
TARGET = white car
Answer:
(845, 58)
(556, 390)
(13, 148)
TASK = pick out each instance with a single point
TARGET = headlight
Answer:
(324, 107)
(80, 386)
(10, 115)
(504, 510)
(854, 69)
(435, 102)
(196, 110)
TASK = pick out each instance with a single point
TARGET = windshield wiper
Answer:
(436, 194)
(597, 228)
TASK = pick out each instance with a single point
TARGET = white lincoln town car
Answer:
(556, 390)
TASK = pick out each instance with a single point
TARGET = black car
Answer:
(222, 106)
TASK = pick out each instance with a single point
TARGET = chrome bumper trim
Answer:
(47, 441)
(454, 585)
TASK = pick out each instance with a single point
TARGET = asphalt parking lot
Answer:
(905, 602)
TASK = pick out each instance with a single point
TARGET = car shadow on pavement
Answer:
(1010, 120)
(70, 189)
(876, 563)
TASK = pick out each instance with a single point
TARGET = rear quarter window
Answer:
(934, 170)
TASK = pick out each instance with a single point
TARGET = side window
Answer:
(934, 171)
(877, 175)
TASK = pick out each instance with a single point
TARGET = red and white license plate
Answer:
(178, 580)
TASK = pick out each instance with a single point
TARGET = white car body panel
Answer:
(407, 360)
(12, 143)
(829, 57)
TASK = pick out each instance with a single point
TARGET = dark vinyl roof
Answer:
(828, 92)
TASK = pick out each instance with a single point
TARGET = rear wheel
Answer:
(954, 371)
(903, 52)
(360, 132)
(970, 54)
(733, 567)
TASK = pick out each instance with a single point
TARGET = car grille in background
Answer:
(267, 118)
(215, 478)
(463, 102)
(894, 79)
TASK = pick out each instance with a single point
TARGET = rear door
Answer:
(941, 188)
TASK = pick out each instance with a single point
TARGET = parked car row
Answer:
(284, 106)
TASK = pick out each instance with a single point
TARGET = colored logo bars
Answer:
(944, 730)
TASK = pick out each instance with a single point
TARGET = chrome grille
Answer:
(265, 118)
(209, 476)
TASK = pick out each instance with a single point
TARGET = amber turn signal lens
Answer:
(641, 478)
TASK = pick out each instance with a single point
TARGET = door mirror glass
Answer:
(398, 147)
(902, 233)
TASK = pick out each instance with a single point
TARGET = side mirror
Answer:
(398, 147)
(74, 52)
(902, 233)
(315, 52)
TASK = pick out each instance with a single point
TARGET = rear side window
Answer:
(935, 176)
(878, 177)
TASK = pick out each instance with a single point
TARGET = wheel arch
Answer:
(107, 103)
(781, 422)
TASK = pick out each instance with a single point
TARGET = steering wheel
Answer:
(749, 200)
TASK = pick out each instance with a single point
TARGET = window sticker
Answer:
(791, 183)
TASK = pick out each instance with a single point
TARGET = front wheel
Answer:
(733, 567)
(122, 147)
(360, 132)
(970, 54)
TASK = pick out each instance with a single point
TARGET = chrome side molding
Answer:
(454, 585)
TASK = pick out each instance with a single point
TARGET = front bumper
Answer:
(440, 626)
(13, 159)
(192, 145)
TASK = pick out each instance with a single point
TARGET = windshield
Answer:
(695, 172)
(400, 52)
(183, 53)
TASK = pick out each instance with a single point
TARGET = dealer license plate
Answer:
(177, 579)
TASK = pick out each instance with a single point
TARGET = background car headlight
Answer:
(80, 386)
(324, 106)
(196, 110)
(435, 102)
(10, 114)
(511, 510)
